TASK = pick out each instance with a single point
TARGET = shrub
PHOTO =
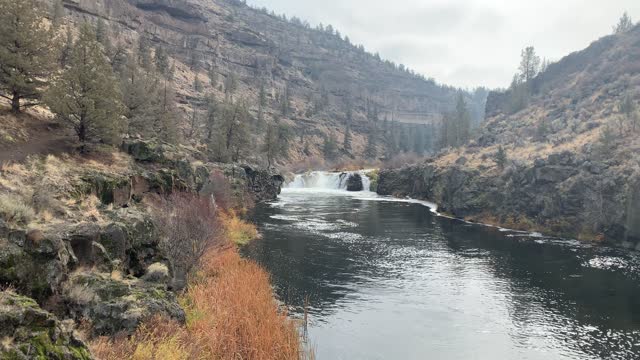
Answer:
(188, 226)
(14, 209)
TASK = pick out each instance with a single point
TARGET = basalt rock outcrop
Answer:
(565, 194)
(36, 333)
(354, 182)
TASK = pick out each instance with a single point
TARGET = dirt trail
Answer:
(43, 138)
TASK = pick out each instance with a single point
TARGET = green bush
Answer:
(13, 209)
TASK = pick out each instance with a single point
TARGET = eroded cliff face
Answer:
(324, 75)
(572, 158)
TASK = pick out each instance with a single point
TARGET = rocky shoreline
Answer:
(564, 195)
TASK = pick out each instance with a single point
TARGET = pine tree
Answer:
(286, 101)
(624, 24)
(330, 148)
(627, 108)
(102, 35)
(501, 158)
(347, 139)
(370, 151)
(58, 13)
(276, 142)
(144, 53)
(65, 52)
(26, 53)
(230, 86)
(86, 95)
(462, 121)
(210, 121)
(141, 99)
(231, 138)
(197, 84)
(213, 76)
(161, 59)
(529, 64)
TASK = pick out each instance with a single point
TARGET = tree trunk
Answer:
(15, 103)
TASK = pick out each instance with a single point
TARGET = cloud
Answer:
(465, 43)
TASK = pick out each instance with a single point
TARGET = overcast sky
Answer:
(465, 43)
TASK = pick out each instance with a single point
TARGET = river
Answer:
(387, 279)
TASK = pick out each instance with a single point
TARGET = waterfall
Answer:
(327, 180)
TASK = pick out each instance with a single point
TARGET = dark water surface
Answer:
(390, 280)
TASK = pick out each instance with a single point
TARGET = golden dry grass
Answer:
(236, 230)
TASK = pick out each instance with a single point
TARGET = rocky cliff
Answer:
(567, 164)
(77, 237)
(324, 76)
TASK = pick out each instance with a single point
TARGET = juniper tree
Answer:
(501, 158)
(161, 60)
(624, 24)
(57, 15)
(370, 151)
(86, 94)
(276, 142)
(230, 86)
(347, 138)
(141, 99)
(231, 138)
(529, 64)
(627, 108)
(26, 52)
(330, 148)
(210, 120)
(213, 76)
(144, 53)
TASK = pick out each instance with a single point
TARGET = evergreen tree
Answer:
(276, 142)
(144, 53)
(65, 52)
(161, 59)
(262, 102)
(330, 147)
(86, 95)
(346, 145)
(529, 64)
(462, 121)
(197, 84)
(627, 108)
(166, 119)
(231, 138)
(286, 101)
(102, 35)
(210, 120)
(230, 86)
(58, 13)
(213, 76)
(624, 24)
(501, 158)
(26, 53)
(371, 151)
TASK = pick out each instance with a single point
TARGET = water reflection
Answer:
(390, 280)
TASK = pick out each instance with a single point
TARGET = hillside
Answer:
(570, 159)
(324, 76)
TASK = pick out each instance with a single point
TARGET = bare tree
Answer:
(188, 225)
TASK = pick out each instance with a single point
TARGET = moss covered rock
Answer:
(32, 333)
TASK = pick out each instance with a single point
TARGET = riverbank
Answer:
(231, 313)
(132, 254)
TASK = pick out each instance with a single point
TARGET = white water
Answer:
(328, 180)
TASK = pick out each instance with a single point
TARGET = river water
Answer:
(387, 279)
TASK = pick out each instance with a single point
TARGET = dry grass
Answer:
(236, 230)
(14, 209)
(231, 314)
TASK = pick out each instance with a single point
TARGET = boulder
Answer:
(113, 306)
(354, 182)
(28, 332)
